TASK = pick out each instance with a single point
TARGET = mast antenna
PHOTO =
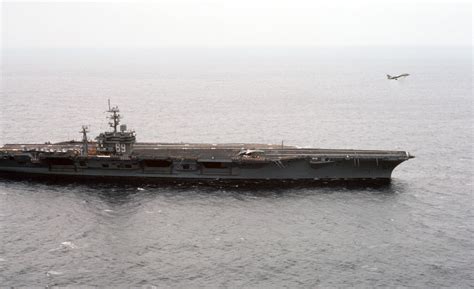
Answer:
(114, 117)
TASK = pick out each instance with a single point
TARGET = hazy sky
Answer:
(239, 23)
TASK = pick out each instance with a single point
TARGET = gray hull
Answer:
(203, 162)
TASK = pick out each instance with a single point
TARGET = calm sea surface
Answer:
(417, 232)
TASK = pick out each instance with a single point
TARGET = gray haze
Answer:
(236, 23)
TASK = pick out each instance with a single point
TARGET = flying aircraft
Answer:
(397, 76)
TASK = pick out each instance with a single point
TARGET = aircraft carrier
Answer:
(116, 156)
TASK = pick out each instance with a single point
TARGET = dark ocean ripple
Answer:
(415, 232)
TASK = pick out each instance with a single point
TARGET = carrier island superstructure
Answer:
(116, 155)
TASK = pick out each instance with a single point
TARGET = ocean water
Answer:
(416, 232)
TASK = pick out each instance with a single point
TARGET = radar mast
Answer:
(115, 117)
